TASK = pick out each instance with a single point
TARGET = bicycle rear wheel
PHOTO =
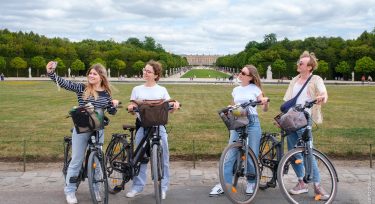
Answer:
(240, 185)
(287, 178)
(157, 170)
(116, 155)
(98, 183)
(267, 162)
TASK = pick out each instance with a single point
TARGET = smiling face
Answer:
(149, 73)
(93, 77)
(302, 65)
(245, 76)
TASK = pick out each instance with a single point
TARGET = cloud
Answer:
(190, 26)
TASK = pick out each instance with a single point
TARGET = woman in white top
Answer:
(249, 89)
(150, 90)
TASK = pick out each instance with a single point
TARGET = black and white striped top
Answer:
(103, 101)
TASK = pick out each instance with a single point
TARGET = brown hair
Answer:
(157, 67)
(313, 62)
(89, 90)
(253, 72)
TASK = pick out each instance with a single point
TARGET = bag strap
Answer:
(304, 85)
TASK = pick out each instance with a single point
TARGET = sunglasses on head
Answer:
(244, 74)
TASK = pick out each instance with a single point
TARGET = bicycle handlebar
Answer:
(308, 104)
(243, 105)
(136, 110)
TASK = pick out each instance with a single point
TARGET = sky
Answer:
(190, 26)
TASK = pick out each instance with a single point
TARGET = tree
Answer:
(322, 68)
(18, 63)
(3, 63)
(279, 66)
(118, 64)
(37, 63)
(269, 40)
(364, 65)
(98, 60)
(138, 66)
(78, 65)
(60, 64)
(343, 68)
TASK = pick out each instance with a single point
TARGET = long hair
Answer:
(89, 90)
(253, 72)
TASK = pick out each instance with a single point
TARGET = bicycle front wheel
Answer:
(287, 178)
(157, 170)
(98, 183)
(240, 184)
(116, 155)
(267, 162)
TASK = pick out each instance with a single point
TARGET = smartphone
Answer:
(54, 65)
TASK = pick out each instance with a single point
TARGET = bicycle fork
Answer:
(308, 155)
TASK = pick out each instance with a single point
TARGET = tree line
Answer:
(21, 50)
(338, 58)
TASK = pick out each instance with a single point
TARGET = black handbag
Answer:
(292, 102)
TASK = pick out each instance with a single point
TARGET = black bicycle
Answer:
(123, 162)
(233, 159)
(93, 167)
(275, 166)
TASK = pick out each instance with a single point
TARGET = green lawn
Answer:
(36, 112)
(204, 73)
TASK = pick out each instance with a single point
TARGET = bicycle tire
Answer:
(287, 178)
(98, 177)
(234, 192)
(116, 181)
(67, 157)
(267, 162)
(157, 171)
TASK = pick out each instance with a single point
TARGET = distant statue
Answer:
(109, 73)
(269, 72)
(29, 72)
(69, 72)
(352, 76)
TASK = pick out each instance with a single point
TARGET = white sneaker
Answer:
(163, 195)
(97, 196)
(216, 190)
(250, 188)
(71, 198)
(132, 194)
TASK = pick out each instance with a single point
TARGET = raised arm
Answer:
(66, 84)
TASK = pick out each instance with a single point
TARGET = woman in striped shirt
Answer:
(97, 92)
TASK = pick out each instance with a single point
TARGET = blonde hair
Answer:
(89, 90)
(313, 62)
(253, 72)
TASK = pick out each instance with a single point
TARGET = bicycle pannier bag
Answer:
(86, 119)
(292, 120)
(233, 121)
(153, 114)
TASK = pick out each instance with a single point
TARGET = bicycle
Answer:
(92, 167)
(232, 161)
(275, 166)
(123, 162)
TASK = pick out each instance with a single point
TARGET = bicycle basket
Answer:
(86, 119)
(233, 121)
(153, 114)
(292, 120)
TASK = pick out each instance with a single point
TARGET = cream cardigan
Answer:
(312, 86)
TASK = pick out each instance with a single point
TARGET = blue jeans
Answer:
(139, 181)
(292, 139)
(254, 134)
(79, 146)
